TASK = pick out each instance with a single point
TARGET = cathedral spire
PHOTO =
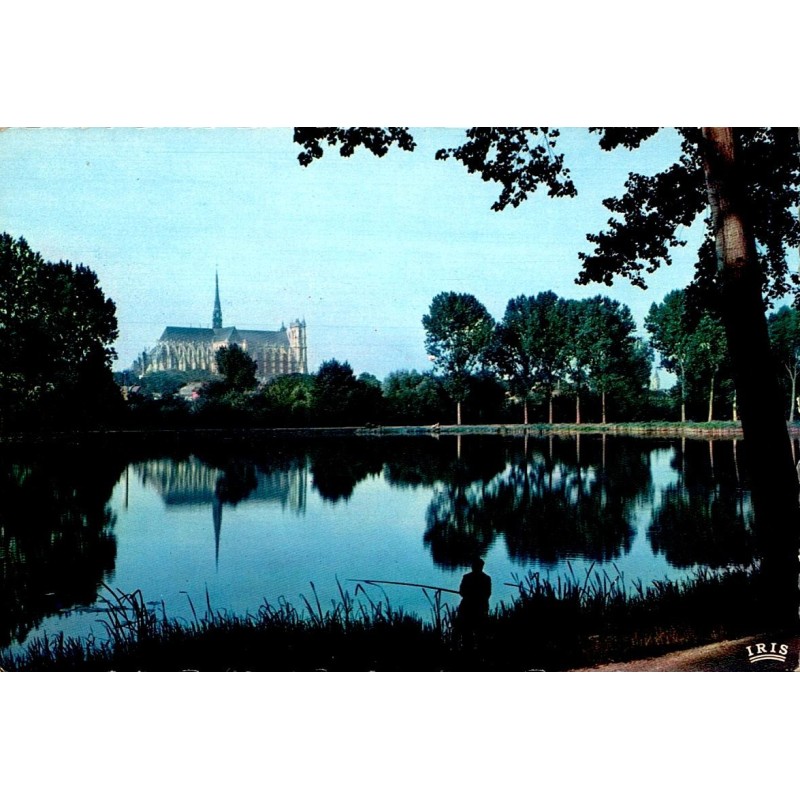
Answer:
(217, 319)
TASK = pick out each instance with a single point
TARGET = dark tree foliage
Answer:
(709, 355)
(520, 159)
(668, 325)
(163, 383)
(532, 344)
(369, 399)
(654, 208)
(58, 328)
(517, 348)
(611, 360)
(458, 335)
(339, 398)
(692, 346)
(169, 411)
(237, 368)
(376, 140)
(647, 217)
(784, 334)
(486, 398)
(412, 397)
(289, 399)
(544, 342)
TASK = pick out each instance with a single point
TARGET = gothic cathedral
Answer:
(281, 352)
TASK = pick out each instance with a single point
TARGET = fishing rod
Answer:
(406, 583)
(421, 585)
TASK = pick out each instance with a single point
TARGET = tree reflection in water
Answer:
(57, 543)
(554, 510)
(556, 499)
(705, 518)
(457, 524)
(337, 471)
(549, 499)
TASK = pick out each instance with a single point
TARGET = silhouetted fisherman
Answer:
(475, 590)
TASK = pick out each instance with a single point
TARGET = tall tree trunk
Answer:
(603, 403)
(711, 397)
(683, 393)
(525, 409)
(458, 412)
(550, 406)
(793, 377)
(577, 408)
(772, 474)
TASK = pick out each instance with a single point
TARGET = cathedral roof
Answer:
(262, 338)
(173, 333)
(232, 335)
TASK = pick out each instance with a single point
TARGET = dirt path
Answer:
(728, 656)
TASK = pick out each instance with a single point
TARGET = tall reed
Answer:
(552, 624)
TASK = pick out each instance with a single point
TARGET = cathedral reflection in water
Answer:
(192, 482)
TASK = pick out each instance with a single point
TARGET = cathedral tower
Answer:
(217, 319)
(298, 347)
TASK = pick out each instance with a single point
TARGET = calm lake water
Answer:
(257, 523)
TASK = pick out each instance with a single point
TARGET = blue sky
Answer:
(357, 247)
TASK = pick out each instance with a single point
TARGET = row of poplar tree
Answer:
(545, 346)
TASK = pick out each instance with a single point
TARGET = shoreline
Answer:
(688, 430)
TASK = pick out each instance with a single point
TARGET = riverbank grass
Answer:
(551, 625)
